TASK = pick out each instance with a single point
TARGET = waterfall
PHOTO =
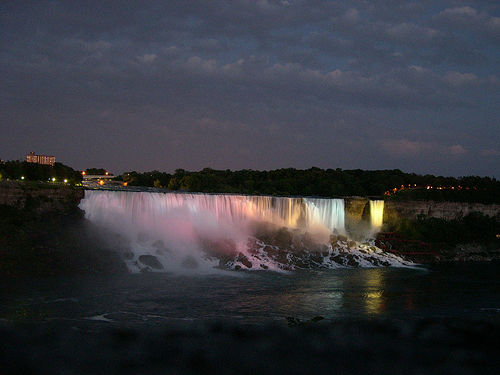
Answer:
(144, 209)
(183, 231)
(376, 213)
(328, 212)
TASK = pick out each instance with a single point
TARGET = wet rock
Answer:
(151, 261)
(317, 319)
(282, 238)
(316, 257)
(351, 261)
(342, 238)
(292, 321)
(277, 254)
(225, 260)
(219, 246)
(244, 260)
(189, 262)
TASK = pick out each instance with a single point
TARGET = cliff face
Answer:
(355, 212)
(354, 208)
(395, 210)
(41, 198)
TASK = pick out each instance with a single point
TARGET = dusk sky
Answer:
(143, 85)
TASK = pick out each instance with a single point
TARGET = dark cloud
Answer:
(253, 84)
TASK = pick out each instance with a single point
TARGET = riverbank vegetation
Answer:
(21, 170)
(474, 228)
(393, 184)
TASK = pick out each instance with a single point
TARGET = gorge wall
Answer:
(40, 197)
(395, 210)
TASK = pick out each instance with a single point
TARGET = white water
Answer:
(326, 212)
(214, 211)
(175, 228)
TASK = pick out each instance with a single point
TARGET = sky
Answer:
(253, 84)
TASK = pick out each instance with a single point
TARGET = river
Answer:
(466, 290)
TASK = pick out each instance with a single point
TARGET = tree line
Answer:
(22, 170)
(322, 183)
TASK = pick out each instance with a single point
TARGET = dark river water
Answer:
(466, 291)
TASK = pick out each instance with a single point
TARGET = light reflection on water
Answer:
(258, 297)
(374, 301)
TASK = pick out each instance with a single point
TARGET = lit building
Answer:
(40, 159)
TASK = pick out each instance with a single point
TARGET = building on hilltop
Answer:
(40, 159)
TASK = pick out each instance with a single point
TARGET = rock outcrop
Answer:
(40, 197)
(395, 210)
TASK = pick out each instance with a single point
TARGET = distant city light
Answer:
(65, 181)
(22, 177)
(101, 182)
(83, 173)
(53, 179)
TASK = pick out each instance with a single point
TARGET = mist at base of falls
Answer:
(203, 233)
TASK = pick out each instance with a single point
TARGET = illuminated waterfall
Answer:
(143, 207)
(183, 231)
(376, 213)
(328, 212)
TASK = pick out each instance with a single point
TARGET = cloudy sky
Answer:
(259, 84)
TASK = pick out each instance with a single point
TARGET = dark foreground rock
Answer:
(53, 243)
(321, 347)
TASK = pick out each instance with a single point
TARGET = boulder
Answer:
(282, 238)
(244, 260)
(151, 261)
(342, 238)
(335, 245)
